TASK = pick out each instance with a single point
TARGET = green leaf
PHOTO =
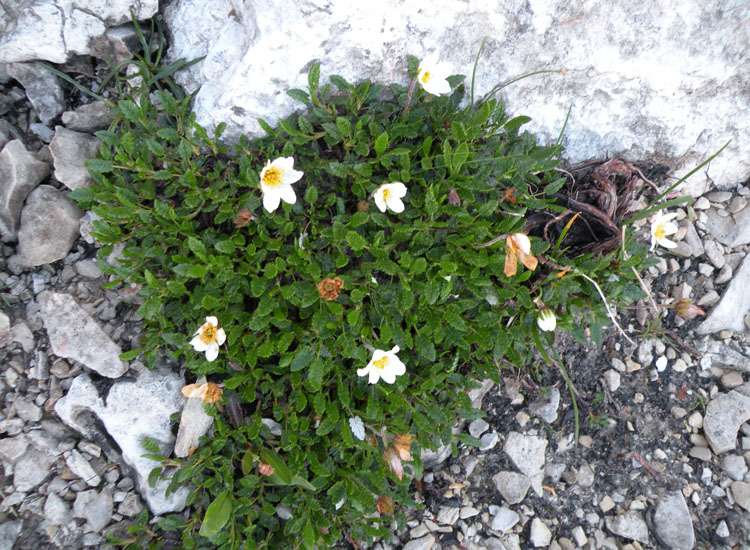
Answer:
(302, 359)
(130, 355)
(248, 461)
(315, 374)
(299, 95)
(460, 156)
(302, 482)
(344, 126)
(210, 303)
(381, 143)
(217, 514)
(308, 535)
(313, 77)
(356, 241)
(99, 165)
(272, 458)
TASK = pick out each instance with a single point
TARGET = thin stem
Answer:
(408, 97)
(606, 305)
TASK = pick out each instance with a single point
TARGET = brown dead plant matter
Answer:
(602, 197)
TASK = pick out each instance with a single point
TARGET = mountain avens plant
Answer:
(341, 283)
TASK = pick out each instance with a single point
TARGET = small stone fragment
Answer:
(81, 467)
(477, 427)
(741, 494)
(56, 510)
(512, 486)
(423, 543)
(612, 379)
(20, 173)
(527, 452)
(42, 88)
(49, 227)
(546, 405)
(448, 515)
(194, 424)
(734, 466)
(673, 523)
(74, 334)
(724, 415)
(606, 504)
(629, 525)
(540, 534)
(88, 118)
(70, 150)
(504, 520)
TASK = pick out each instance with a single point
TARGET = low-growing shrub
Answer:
(353, 305)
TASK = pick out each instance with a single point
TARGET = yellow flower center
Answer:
(386, 194)
(272, 177)
(380, 363)
(426, 76)
(659, 233)
(208, 334)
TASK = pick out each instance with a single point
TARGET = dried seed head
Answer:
(329, 288)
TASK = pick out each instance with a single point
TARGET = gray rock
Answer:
(130, 506)
(21, 334)
(673, 523)
(504, 520)
(13, 448)
(95, 507)
(448, 515)
(741, 494)
(70, 150)
(4, 330)
(656, 112)
(714, 253)
(49, 227)
(56, 510)
(55, 30)
(27, 410)
(9, 532)
(732, 231)
(88, 118)
(730, 356)
(422, 543)
(540, 535)
(194, 424)
(273, 426)
(734, 466)
(74, 334)
(20, 173)
(488, 441)
(629, 525)
(585, 476)
(512, 486)
(41, 87)
(33, 468)
(42, 132)
(477, 427)
(526, 452)
(89, 269)
(81, 467)
(545, 406)
(722, 530)
(692, 238)
(730, 312)
(118, 44)
(134, 410)
(724, 416)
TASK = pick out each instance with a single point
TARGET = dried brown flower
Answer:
(402, 445)
(244, 217)
(329, 288)
(265, 469)
(453, 197)
(385, 505)
(363, 206)
(208, 392)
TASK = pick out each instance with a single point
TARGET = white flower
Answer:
(358, 429)
(432, 75)
(660, 228)
(390, 195)
(208, 338)
(276, 181)
(546, 319)
(385, 365)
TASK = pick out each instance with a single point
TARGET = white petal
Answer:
(212, 352)
(395, 204)
(437, 86)
(379, 200)
(670, 228)
(221, 336)
(290, 176)
(198, 344)
(364, 371)
(388, 376)
(398, 189)
(284, 163)
(395, 350)
(666, 243)
(287, 194)
(271, 200)
(374, 376)
(377, 355)
(397, 367)
(211, 320)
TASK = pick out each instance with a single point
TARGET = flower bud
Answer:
(688, 310)
(546, 319)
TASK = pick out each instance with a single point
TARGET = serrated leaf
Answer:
(308, 535)
(344, 126)
(299, 95)
(217, 514)
(356, 241)
(313, 77)
(315, 374)
(381, 143)
(302, 359)
(130, 355)
(210, 303)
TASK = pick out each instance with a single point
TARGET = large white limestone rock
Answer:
(53, 30)
(657, 80)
